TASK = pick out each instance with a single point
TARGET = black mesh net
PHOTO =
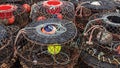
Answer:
(36, 53)
(95, 7)
(101, 42)
(21, 16)
(6, 46)
(95, 16)
(112, 21)
(101, 5)
(66, 30)
(88, 8)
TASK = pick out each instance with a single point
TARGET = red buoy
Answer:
(27, 7)
(11, 20)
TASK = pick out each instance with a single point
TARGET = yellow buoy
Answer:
(54, 48)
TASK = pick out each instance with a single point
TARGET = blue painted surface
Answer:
(48, 28)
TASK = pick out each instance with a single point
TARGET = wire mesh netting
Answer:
(100, 46)
(6, 48)
(99, 5)
(43, 8)
(37, 52)
(21, 16)
(65, 31)
(87, 8)
(112, 20)
(40, 57)
(53, 38)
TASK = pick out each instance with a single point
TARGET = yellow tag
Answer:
(54, 48)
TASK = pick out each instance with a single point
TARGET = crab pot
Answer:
(13, 15)
(51, 8)
(88, 8)
(6, 47)
(45, 47)
(100, 47)
(111, 21)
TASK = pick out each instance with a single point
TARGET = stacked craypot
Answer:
(51, 40)
(100, 46)
(13, 16)
(55, 33)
